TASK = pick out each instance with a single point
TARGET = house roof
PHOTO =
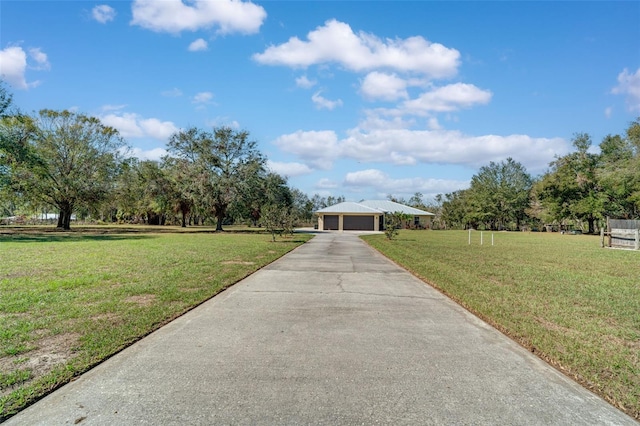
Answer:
(373, 207)
(349, 207)
(391, 207)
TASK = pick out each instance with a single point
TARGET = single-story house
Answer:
(368, 215)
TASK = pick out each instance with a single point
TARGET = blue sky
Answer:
(360, 98)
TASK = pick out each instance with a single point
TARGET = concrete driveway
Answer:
(333, 333)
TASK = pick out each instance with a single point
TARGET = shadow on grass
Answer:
(65, 238)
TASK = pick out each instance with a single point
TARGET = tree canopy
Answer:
(77, 161)
(216, 167)
(581, 187)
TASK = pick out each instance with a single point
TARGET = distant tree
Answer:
(302, 206)
(331, 200)
(15, 131)
(571, 189)
(417, 201)
(184, 185)
(499, 194)
(159, 192)
(224, 163)
(6, 101)
(456, 210)
(320, 202)
(261, 189)
(618, 173)
(78, 159)
(395, 199)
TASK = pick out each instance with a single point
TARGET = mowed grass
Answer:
(69, 301)
(571, 302)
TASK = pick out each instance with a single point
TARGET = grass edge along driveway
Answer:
(572, 303)
(69, 301)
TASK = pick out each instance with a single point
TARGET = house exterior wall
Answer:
(374, 217)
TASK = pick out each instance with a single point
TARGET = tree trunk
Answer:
(60, 215)
(591, 221)
(67, 221)
(219, 219)
(64, 218)
(220, 210)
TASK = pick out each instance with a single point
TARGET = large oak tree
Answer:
(219, 166)
(78, 158)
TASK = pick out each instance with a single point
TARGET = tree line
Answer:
(578, 191)
(77, 166)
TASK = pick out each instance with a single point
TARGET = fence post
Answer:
(637, 247)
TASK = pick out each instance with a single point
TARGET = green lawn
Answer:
(561, 296)
(70, 300)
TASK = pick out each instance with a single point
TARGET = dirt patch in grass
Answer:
(630, 344)
(49, 352)
(142, 299)
(26, 272)
(552, 326)
(109, 317)
(237, 262)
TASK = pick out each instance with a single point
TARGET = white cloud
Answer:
(629, 85)
(222, 121)
(608, 111)
(376, 119)
(157, 129)
(113, 107)
(154, 154)
(202, 98)
(304, 82)
(40, 58)
(402, 146)
(409, 147)
(316, 148)
(325, 183)
(447, 98)
(289, 169)
(131, 125)
(14, 63)
(175, 16)
(335, 42)
(198, 45)
(126, 124)
(382, 183)
(387, 87)
(103, 13)
(173, 93)
(324, 103)
(434, 124)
